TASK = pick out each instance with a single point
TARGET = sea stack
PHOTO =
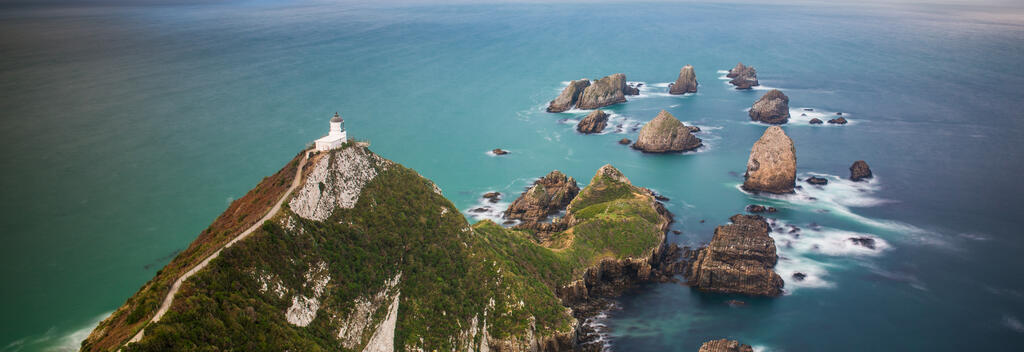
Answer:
(665, 133)
(547, 196)
(686, 83)
(772, 164)
(570, 95)
(603, 92)
(860, 171)
(595, 122)
(743, 77)
(773, 108)
(739, 259)
(724, 345)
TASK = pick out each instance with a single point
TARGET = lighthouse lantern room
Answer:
(336, 137)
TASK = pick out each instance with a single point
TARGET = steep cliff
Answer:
(686, 83)
(739, 259)
(357, 255)
(772, 164)
(773, 108)
(570, 95)
(665, 133)
(603, 92)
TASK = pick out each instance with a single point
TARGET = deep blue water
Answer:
(126, 129)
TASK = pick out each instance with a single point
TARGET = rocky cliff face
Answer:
(773, 108)
(739, 259)
(860, 171)
(772, 164)
(686, 83)
(724, 345)
(547, 196)
(603, 92)
(595, 122)
(665, 133)
(570, 95)
(743, 77)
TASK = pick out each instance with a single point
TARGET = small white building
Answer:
(336, 137)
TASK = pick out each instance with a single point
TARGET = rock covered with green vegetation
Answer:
(773, 108)
(665, 133)
(772, 164)
(686, 83)
(606, 91)
(387, 263)
(740, 259)
(569, 96)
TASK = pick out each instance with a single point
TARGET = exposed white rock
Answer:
(359, 319)
(271, 283)
(336, 182)
(383, 340)
(303, 309)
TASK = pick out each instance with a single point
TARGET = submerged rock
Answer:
(816, 121)
(569, 97)
(499, 151)
(772, 164)
(665, 133)
(773, 108)
(603, 92)
(866, 242)
(757, 208)
(739, 259)
(860, 170)
(493, 197)
(814, 180)
(724, 345)
(547, 196)
(631, 89)
(838, 121)
(595, 122)
(625, 141)
(743, 77)
(686, 83)
(799, 276)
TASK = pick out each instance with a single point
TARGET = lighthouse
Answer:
(336, 137)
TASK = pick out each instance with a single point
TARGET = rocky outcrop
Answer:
(570, 95)
(743, 77)
(335, 182)
(860, 170)
(838, 121)
(492, 197)
(757, 208)
(665, 133)
(773, 108)
(686, 83)
(816, 121)
(595, 122)
(814, 180)
(625, 141)
(631, 89)
(603, 92)
(547, 196)
(772, 164)
(739, 259)
(724, 345)
(499, 151)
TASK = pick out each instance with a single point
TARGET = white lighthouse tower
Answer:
(336, 137)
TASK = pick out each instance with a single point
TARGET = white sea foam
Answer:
(799, 116)
(599, 324)
(53, 341)
(661, 85)
(796, 244)
(1013, 323)
(485, 210)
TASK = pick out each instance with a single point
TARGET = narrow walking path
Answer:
(177, 283)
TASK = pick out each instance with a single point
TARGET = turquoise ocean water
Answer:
(126, 129)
